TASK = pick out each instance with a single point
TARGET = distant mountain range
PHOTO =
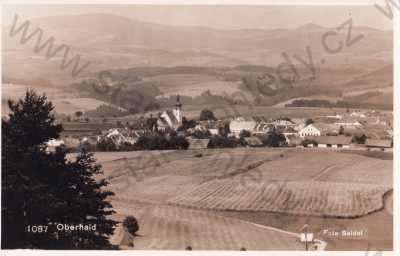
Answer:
(134, 49)
(110, 42)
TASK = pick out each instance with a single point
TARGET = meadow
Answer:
(287, 186)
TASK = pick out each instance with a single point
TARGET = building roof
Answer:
(260, 119)
(253, 141)
(281, 121)
(244, 119)
(378, 143)
(326, 119)
(263, 127)
(333, 140)
(289, 130)
(348, 120)
(325, 128)
(198, 143)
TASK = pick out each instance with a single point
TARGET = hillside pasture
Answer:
(350, 185)
(71, 105)
(156, 176)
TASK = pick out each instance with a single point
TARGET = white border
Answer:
(396, 55)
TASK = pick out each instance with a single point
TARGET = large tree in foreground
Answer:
(42, 188)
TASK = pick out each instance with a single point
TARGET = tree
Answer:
(131, 225)
(78, 114)
(224, 129)
(43, 188)
(341, 130)
(187, 124)
(106, 144)
(309, 121)
(359, 139)
(201, 134)
(178, 142)
(206, 115)
(152, 142)
(244, 134)
(274, 139)
(306, 142)
(218, 141)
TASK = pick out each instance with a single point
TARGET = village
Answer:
(350, 129)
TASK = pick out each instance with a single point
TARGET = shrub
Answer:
(218, 141)
(359, 139)
(160, 142)
(308, 141)
(131, 225)
(198, 134)
(207, 114)
(178, 142)
(244, 134)
(273, 139)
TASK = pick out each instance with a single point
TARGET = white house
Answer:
(319, 129)
(309, 130)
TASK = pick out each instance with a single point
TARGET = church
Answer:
(171, 119)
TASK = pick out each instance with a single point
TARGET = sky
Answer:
(220, 17)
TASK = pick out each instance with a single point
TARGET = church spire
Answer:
(178, 109)
(178, 101)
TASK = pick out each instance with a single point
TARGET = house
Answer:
(195, 144)
(120, 136)
(349, 121)
(309, 130)
(377, 143)
(171, 119)
(318, 129)
(209, 125)
(242, 123)
(332, 141)
(300, 123)
(253, 141)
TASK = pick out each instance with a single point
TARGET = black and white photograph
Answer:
(208, 127)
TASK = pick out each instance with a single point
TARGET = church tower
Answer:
(178, 109)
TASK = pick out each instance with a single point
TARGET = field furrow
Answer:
(305, 198)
